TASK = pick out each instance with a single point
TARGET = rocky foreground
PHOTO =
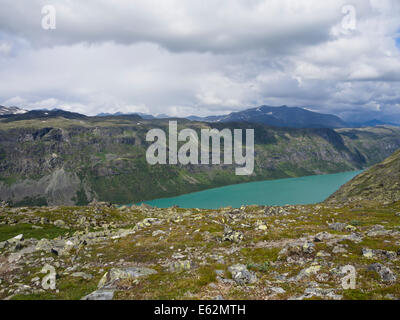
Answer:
(255, 252)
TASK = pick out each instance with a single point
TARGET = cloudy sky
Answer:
(183, 57)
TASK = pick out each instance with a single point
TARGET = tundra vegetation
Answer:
(253, 252)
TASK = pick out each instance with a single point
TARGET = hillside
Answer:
(381, 183)
(61, 158)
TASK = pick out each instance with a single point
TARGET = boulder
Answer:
(241, 275)
(180, 266)
(385, 273)
(232, 235)
(337, 226)
(115, 274)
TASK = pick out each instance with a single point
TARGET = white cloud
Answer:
(201, 57)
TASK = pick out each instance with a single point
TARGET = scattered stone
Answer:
(59, 223)
(339, 249)
(308, 247)
(385, 273)
(157, 233)
(83, 275)
(180, 266)
(101, 294)
(112, 276)
(277, 290)
(350, 228)
(322, 236)
(305, 273)
(382, 254)
(368, 253)
(337, 226)
(321, 293)
(241, 275)
(378, 230)
(355, 237)
(232, 236)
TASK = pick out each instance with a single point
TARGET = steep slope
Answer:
(381, 183)
(283, 116)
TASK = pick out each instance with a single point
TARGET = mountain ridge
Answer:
(283, 116)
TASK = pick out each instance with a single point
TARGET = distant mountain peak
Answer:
(11, 110)
(281, 116)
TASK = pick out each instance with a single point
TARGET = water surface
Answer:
(304, 190)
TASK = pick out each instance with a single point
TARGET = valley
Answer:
(63, 158)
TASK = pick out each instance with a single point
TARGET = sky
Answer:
(189, 57)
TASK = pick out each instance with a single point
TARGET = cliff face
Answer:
(381, 183)
(72, 161)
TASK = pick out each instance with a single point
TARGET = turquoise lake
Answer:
(304, 190)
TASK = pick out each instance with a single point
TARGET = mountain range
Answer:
(59, 157)
(283, 116)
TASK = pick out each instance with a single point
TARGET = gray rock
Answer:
(322, 236)
(385, 273)
(319, 292)
(277, 290)
(101, 294)
(337, 226)
(355, 237)
(232, 236)
(157, 233)
(112, 276)
(59, 223)
(308, 247)
(180, 266)
(83, 275)
(378, 230)
(241, 275)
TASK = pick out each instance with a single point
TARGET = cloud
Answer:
(208, 57)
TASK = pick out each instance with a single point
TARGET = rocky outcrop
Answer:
(59, 187)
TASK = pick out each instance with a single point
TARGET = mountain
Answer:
(380, 183)
(140, 114)
(283, 116)
(372, 123)
(42, 114)
(57, 157)
(11, 111)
